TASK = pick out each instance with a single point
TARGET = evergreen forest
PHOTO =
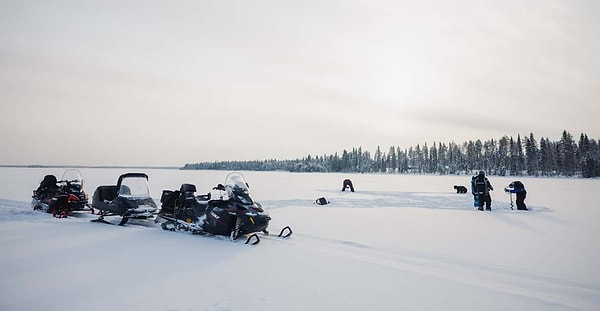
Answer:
(507, 156)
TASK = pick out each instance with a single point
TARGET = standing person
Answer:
(518, 188)
(483, 188)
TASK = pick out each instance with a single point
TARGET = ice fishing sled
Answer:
(129, 198)
(227, 210)
(59, 197)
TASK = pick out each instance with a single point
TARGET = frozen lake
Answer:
(400, 242)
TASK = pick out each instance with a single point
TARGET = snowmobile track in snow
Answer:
(509, 280)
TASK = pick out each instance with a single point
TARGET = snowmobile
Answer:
(228, 210)
(129, 198)
(60, 197)
(182, 209)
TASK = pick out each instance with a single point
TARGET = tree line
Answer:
(504, 157)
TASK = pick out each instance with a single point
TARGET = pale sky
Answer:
(175, 82)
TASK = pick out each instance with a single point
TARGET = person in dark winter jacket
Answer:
(347, 184)
(518, 188)
(482, 189)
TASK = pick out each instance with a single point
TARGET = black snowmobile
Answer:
(60, 197)
(182, 209)
(228, 210)
(129, 198)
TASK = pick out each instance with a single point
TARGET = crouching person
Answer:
(347, 184)
(518, 188)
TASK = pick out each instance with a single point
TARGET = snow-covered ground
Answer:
(400, 242)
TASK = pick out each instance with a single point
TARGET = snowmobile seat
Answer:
(104, 197)
(48, 186)
(187, 188)
(105, 193)
(187, 193)
(187, 197)
(49, 182)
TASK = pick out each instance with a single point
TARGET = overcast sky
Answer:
(175, 82)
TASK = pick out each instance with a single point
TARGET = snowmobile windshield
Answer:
(134, 187)
(237, 188)
(72, 176)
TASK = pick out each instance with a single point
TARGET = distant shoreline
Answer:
(93, 166)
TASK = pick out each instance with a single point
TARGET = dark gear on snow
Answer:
(321, 201)
(460, 189)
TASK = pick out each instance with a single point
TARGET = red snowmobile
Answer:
(60, 197)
